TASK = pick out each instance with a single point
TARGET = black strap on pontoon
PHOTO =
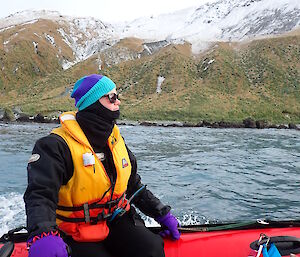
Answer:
(15, 235)
(285, 244)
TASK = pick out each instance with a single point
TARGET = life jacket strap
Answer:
(107, 205)
(93, 220)
(86, 211)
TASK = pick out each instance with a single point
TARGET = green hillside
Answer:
(228, 82)
(260, 80)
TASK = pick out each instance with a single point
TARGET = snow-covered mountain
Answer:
(222, 20)
(85, 36)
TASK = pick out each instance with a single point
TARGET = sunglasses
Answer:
(112, 97)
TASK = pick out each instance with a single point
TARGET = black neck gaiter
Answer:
(97, 123)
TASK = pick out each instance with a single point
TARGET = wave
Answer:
(12, 212)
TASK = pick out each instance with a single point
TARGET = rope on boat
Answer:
(217, 227)
(242, 225)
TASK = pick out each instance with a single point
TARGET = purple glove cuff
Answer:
(35, 238)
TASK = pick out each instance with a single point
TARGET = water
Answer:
(206, 175)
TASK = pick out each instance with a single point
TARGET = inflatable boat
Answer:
(214, 240)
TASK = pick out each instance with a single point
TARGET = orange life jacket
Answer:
(89, 197)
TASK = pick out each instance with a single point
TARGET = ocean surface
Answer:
(206, 175)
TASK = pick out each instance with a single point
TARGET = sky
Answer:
(106, 10)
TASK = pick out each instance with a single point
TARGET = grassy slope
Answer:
(21, 68)
(230, 82)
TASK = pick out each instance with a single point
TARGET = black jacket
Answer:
(54, 168)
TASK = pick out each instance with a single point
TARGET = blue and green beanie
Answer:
(90, 89)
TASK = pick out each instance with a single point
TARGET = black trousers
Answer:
(128, 237)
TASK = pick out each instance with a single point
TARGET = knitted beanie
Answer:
(90, 89)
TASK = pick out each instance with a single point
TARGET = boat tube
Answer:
(213, 240)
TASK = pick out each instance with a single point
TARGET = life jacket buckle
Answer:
(111, 203)
(100, 217)
(108, 205)
(105, 216)
(122, 212)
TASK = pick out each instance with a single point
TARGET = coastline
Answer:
(246, 123)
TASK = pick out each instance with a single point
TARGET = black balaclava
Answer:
(97, 123)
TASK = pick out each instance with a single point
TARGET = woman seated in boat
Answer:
(82, 182)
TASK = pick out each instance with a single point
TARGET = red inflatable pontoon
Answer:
(220, 240)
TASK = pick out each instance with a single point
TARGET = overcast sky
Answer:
(106, 10)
